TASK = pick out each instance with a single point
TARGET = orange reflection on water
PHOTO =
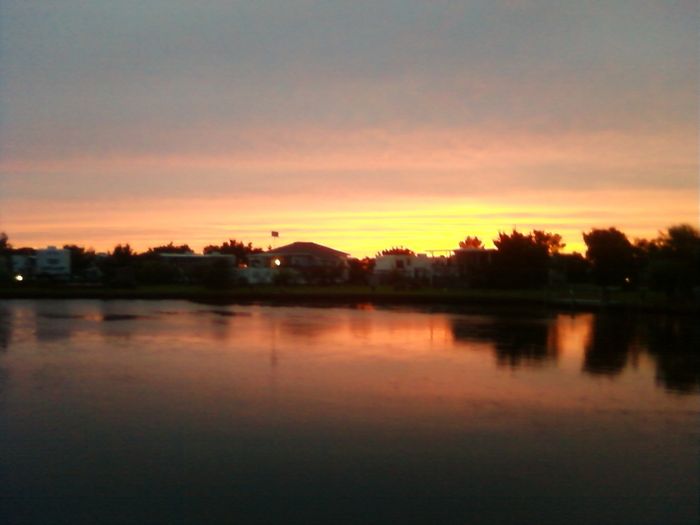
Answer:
(572, 334)
(225, 394)
(326, 363)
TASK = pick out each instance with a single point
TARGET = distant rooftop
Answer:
(307, 248)
(191, 255)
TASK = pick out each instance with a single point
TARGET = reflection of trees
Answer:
(674, 343)
(607, 349)
(5, 328)
(516, 341)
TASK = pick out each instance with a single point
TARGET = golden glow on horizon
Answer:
(361, 227)
(440, 187)
(359, 191)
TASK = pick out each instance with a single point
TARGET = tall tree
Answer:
(122, 253)
(682, 240)
(674, 263)
(521, 261)
(360, 270)
(80, 258)
(5, 264)
(552, 242)
(4, 243)
(611, 255)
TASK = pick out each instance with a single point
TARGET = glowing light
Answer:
(277, 262)
(19, 278)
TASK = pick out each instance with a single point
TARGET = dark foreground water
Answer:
(171, 412)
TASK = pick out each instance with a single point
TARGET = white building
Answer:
(53, 262)
(297, 263)
(405, 266)
(261, 269)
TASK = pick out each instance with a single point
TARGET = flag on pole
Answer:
(275, 234)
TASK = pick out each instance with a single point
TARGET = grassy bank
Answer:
(579, 298)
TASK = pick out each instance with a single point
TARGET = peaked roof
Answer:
(307, 248)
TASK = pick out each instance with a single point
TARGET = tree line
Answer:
(669, 262)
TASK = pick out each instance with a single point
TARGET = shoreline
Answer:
(337, 295)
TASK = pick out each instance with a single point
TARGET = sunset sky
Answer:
(356, 124)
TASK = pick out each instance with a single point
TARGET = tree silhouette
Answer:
(574, 267)
(80, 258)
(521, 261)
(673, 260)
(5, 264)
(5, 245)
(611, 255)
(398, 250)
(234, 247)
(682, 240)
(170, 248)
(471, 242)
(551, 241)
(360, 270)
(123, 253)
(218, 274)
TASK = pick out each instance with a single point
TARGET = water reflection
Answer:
(53, 324)
(5, 338)
(299, 326)
(610, 344)
(617, 342)
(606, 345)
(194, 414)
(674, 343)
(5, 327)
(516, 341)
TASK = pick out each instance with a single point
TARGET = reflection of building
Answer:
(5, 328)
(299, 262)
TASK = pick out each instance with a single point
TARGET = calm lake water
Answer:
(174, 412)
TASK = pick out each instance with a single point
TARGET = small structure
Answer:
(258, 271)
(395, 268)
(52, 263)
(297, 263)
